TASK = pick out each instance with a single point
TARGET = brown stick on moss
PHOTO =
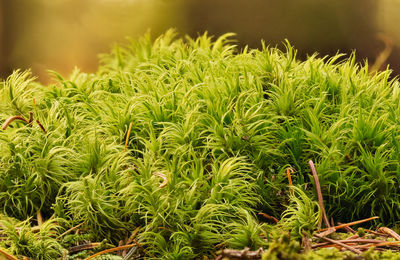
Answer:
(127, 136)
(351, 241)
(130, 239)
(11, 119)
(41, 126)
(349, 224)
(271, 218)
(319, 193)
(241, 254)
(29, 122)
(30, 118)
(7, 255)
(39, 218)
(111, 250)
(289, 171)
(390, 232)
(386, 243)
(79, 248)
(354, 250)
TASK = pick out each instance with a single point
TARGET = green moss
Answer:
(221, 124)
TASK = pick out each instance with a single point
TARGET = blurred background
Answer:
(62, 34)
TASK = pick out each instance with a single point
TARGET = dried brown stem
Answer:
(353, 237)
(242, 254)
(327, 232)
(127, 136)
(319, 193)
(306, 243)
(29, 121)
(30, 118)
(41, 126)
(39, 218)
(354, 250)
(111, 250)
(133, 235)
(351, 241)
(289, 171)
(271, 218)
(11, 119)
(392, 243)
(376, 233)
(348, 229)
(79, 248)
(130, 239)
(349, 224)
(7, 255)
(390, 232)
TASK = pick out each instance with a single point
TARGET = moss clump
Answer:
(217, 126)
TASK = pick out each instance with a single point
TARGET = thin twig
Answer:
(351, 241)
(242, 254)
(110, 250)
(305, 242)
(130, 253)
(7, 255)
(41, 126)
(288, 171)
(127, 136)
(30, 118)
(349, 224)
(162, 175)
(39, 218)
(348, 229)
(11, 119)
(130, 239)
(387, 243)
(376, 233)
(271, 218)
(355, 236)
(133, 235)
(69, 230)
(327, 232)
(390, 232)
(319, 193)
(339, 243)
(75, 249)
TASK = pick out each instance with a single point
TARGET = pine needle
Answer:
(111, 250)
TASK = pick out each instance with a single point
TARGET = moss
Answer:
(220, 125)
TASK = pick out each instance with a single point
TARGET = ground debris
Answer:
(240, 254)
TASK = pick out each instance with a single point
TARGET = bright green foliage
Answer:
(301, 216)
(221, 124)
(20, 239)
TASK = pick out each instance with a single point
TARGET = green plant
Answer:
(22, 240)
(301, 216)
(189, 139)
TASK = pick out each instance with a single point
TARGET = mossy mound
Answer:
(189, 139)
